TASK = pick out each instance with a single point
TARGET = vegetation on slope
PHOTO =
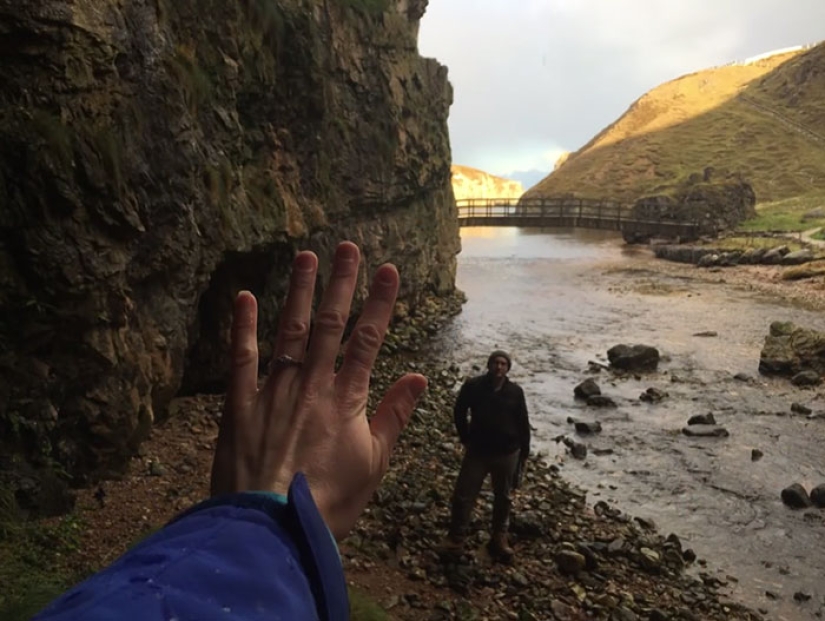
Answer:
(798, 213)
(31, 554)
(797, 90)
(758, 119)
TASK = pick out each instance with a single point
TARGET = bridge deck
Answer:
(566, 212)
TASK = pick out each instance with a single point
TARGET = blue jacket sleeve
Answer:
(241, 557)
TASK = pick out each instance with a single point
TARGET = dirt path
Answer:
(808, 237)
(786, 121)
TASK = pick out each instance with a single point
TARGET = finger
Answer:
(243, 348)
(353, 379)
(332, 315)
(391, 417)
(242, 388)
(293, 325)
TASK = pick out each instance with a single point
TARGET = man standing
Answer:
(496, 440)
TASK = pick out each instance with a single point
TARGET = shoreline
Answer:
(807, 293)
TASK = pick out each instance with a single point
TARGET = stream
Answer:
(557, 299)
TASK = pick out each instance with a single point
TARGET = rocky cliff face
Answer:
(715, 201)
(471, 183)
(158, 156)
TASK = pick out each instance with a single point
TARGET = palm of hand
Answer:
(307, 418)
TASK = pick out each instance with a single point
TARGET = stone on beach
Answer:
(705, 431)
(633, 357)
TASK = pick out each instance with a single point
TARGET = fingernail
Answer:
(304, 262)
(346, 252)
(386, 275)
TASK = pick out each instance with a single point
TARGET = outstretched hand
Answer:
(308, 418)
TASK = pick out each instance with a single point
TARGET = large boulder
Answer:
(796, 497)
(633, 357)
(798, 257)
(682, 253)
(588, 388)
(789, 350)
(713, 201)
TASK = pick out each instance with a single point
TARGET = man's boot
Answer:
(499, 547)
(452, 545)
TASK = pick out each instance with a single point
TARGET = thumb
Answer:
(392, 416)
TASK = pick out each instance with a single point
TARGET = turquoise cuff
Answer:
(283, 500)
(279, 498)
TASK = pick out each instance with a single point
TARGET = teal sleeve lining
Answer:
(279, 498)
(282, 500)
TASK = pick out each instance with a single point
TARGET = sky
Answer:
(535, 78)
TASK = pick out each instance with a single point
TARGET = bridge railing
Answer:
(563, 207)
(567, 211)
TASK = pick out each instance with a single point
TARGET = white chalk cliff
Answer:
(472, 183)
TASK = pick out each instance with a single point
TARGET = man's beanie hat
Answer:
(500, 354)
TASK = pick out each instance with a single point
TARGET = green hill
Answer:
(764, 119)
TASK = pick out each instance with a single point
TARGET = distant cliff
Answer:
(472, 183)
(157, 156)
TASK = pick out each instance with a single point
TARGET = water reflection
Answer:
(497, 242)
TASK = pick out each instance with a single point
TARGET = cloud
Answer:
(546, 75)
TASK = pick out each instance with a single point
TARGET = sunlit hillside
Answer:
(473, 183)
(764, 118)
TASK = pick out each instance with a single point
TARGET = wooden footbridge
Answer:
(569, 212)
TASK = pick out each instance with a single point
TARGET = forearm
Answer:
(231, 557)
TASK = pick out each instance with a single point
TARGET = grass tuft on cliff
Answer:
(762, 119)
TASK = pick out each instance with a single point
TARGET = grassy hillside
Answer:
(797, 90)
(765, 119)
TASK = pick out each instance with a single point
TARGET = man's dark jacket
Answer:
(498, 423)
